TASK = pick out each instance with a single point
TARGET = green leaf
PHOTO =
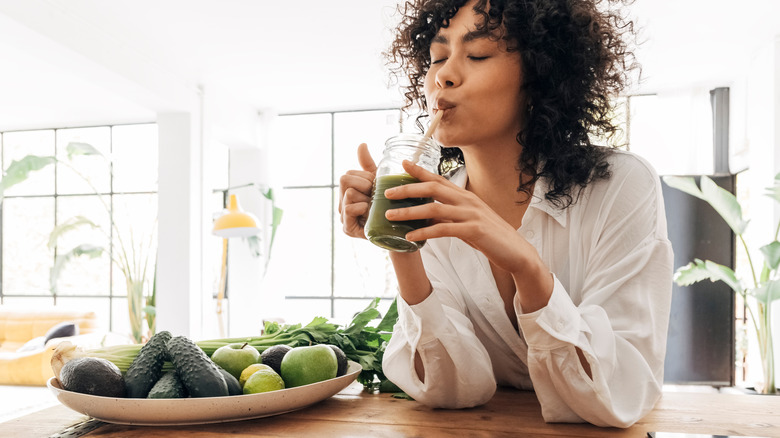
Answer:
(75, 148)
(253, 242)
(150, 310)
(698, 270)
(391, 317)
(768, 292)
(685, 184)
(725, 204)
(774, 191)
(67, 226)
(19, 171)
(772, 254)
(92, 251)
(720, 199)
(362, 318)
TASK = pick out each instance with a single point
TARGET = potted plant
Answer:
(135, 258)
(758, 292)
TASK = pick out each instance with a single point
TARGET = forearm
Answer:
(413, 283)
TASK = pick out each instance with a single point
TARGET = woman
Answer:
(547, 265)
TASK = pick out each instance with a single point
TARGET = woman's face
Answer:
(476, 82)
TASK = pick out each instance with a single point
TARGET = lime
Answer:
(263, 381)
(251, 369)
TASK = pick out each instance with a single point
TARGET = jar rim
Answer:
(418, 138)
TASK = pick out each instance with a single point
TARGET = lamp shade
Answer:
(235, 223)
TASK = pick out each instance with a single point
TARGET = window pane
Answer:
(362, 269)
(301, 149)
(301, 254)
(17, 145)
(83, 275)
(28, 303)
(302, 311)
(95, 168)
(135, 240)
(27, 223)
(135, 155)
(353, 128)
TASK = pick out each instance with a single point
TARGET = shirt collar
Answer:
(459, 177)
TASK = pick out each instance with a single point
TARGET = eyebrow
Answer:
(467, 37)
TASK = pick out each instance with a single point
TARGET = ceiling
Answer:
(76, 62)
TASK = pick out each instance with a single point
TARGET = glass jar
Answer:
(390, 173)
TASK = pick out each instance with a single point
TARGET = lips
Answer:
(443, 105)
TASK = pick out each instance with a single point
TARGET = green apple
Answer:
(306, 365)
(234, 358)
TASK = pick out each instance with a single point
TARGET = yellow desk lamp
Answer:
(233, 223)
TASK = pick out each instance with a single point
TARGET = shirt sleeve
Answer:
(621, 323)
(458, 370)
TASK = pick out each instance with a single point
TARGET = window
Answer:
(125, 193)
(321, 271)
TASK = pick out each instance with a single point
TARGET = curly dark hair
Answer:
(576, 58)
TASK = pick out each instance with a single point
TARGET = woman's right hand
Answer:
(355, 194)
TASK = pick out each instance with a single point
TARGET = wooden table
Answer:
(354, 413)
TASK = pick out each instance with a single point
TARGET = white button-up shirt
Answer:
(612, 266)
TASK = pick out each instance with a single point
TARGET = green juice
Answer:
(390, 234)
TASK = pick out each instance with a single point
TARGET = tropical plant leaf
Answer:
(725, 204)
(720, 199)
(768, 292)
(92, 251)
(68, 226)
(19, 170)
(75, 148)
(685, 184)
(771, 254)
(698, 270)
(774, 191)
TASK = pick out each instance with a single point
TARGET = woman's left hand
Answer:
(462, 214)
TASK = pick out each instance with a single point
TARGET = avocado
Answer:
(169, 386)
(234, 387)
(199, 374)
(94, 376)
(146, 368)
(273, 355)
(341, 359)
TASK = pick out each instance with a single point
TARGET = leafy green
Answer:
(18, 171)
(698, 270)
(720, 199)
(359, 341)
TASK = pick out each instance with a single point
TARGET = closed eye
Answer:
(478, 58)
(438, 61)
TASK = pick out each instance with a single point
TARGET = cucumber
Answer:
(199, 374)
(169, 386)
(146, 368)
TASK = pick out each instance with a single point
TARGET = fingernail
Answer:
(389, 191)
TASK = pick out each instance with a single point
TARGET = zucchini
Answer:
(146, 368)
(169, 386)
(199, 374)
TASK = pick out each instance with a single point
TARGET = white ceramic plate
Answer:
(157, 412)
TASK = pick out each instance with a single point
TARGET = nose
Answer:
(449, 74)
